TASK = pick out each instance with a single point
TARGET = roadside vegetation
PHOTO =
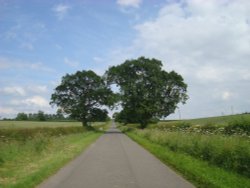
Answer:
(30, 155)
(216, 154)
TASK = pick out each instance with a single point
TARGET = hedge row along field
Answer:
(237, 125)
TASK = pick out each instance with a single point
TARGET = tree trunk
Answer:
(87, 126)
(143, 124)
(84, 123)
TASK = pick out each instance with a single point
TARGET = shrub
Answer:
(238, 126)
(184, 125)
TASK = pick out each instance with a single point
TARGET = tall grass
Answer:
(231, 153)
(28, 163)
(27, 133)
(27, 156)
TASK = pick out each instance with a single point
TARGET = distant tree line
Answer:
(41, 116)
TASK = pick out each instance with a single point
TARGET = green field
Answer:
(211, 152)
(35, 124)
(217, 121)
(32, 151)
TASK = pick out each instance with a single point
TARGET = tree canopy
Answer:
(146, 91)
(82, 95)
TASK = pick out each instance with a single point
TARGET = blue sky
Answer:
(207, 42)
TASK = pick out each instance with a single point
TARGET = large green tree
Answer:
(82, 95)
(22, 116)
(147, 91)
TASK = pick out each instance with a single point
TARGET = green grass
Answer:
(26, 164)
(35, 124)
(32, 151)
(201, 173)
(229, 152)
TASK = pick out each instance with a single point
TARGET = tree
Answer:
(59, 114)
(41, 116)
(81, 95)
(146, 91)
(22, 116)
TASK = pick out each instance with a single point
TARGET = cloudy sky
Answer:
(206, 41)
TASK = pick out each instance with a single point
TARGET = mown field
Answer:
(32, 151)
(211, 152)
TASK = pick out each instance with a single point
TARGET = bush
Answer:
(183, 125)
(238, 126)
(209, 127)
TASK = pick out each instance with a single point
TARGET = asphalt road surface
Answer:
(115, 161)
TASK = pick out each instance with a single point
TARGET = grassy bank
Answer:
(230, 153)
(212, 152)
(28, 156)
(201, 173)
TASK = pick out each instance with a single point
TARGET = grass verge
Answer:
(199, 172)
(27, 165)
(229, 152)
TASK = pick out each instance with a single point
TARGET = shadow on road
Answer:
(113, 132)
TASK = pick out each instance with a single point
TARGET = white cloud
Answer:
(24, 90)
(71, 63)
(25, 34)
(38, 89)
(37, 101)
(7, 63)
(216, 73)
(179, 32)
(226, 95)
(199, 34)
(129, 3)
(61, 10)
(14, 90)
(39, 66)
(7, 111)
